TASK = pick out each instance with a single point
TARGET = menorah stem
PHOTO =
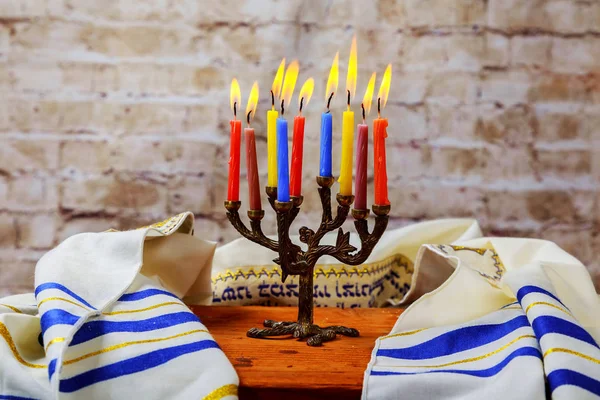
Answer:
(305, 297)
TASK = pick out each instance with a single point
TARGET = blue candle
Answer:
(283, 169)
(325, 165)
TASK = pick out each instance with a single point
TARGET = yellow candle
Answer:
(272, 127)
(347, 153)
(272, 147)
(348, 126)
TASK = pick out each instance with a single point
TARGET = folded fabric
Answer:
(509, 318)
(244, 273)
(107, 320)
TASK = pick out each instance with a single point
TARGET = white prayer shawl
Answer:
(509, 319)
(244, 272)
(101, 326)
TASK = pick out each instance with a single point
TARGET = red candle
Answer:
(297, 154)
(252, 165)
(298, 140)
(233, 186)
(379, 135)
(360, 185)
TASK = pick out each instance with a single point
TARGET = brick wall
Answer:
(114, 113)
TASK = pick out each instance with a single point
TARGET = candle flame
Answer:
(368, 99)
(252, 102)
(235, 96)
(306, 92)
(332, 81)
(276, 87)
(289, 82)
(384, 89)
(352, 67)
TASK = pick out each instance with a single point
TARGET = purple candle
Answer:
(362, 148)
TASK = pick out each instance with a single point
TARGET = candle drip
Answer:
(329, 101)
(282, 108)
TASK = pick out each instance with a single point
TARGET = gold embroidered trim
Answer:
(223, 391)
(470, 359)
(12, 308)
(543, 303)
(170, 303)
(166, 226)
(500, 268)
(13, 348)
(511, 308)
(423, 329)
(7, 337)
(403, 333)
(55, 340)
(476, 250)
(61, 299)
(572, 352)
(320, 270)
(127, 344)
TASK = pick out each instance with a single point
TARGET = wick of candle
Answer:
(248, 117)
(379, 107)
(363, 112)
(329, 101)
(234, 110)
(282, 108)
(301, 104)
(272, 101)
(348, 100)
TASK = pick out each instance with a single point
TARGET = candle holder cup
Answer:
(294, 261)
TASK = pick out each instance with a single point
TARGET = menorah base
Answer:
(315, 334)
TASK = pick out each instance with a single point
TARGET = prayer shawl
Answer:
(494, 319)
(244, 272)
(100, 325)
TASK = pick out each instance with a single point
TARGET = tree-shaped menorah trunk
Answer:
(294, 261)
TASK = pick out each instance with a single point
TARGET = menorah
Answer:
(295, 261)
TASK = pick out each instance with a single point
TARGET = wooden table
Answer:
(288, 368)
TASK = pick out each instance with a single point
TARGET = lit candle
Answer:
(362, 147)
(233, 183)
(283, 174)
(326, 121)
(251, 162)
(379, 135)
(298, 140)
(272, 115)
(348, 127)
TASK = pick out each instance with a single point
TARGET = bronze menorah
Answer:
(294, 261)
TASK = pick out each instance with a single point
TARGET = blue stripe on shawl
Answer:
(525, 290)
(481, 373)
(145, 293)
(93, 329)
(51, 368)
(549, 324)
(58, 286)
(132, 365)
(561, 377)
(457, 340)
(57, 317)
(9, 397)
